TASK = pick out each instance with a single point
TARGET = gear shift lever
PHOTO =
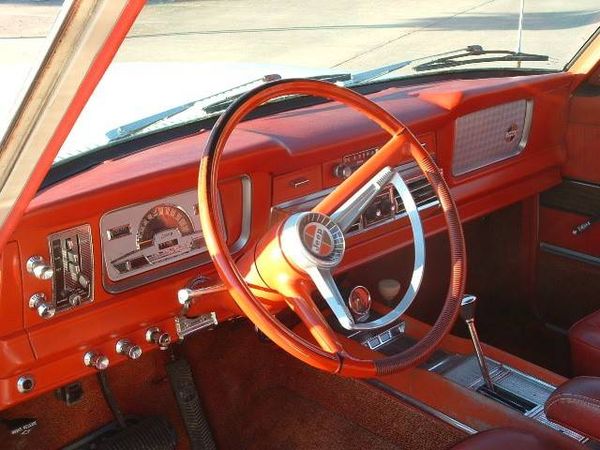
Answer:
(467, 312)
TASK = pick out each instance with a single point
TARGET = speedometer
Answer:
(151, 235)
(163, 223)
(164, 233)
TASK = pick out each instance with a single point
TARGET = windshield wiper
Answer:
(212, 104)
(477, 50)
(141, 124)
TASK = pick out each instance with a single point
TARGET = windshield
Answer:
(179, 52)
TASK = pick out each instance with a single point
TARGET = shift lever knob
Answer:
(467, 312)
(467, 308)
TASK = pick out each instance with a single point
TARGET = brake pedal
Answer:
(188, 400)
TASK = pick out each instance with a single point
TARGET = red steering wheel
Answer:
(288, 263)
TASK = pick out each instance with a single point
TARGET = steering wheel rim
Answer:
(330, 355)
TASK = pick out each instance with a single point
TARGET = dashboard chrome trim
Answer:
(193, 261)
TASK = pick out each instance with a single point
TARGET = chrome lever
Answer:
(467, 312)
(187, 296)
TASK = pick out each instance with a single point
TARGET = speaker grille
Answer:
(490, 135)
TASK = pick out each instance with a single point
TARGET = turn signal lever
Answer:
(467, 312)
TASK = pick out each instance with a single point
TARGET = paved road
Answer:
(344, 35)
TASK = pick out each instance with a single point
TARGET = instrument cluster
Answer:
(151, 235)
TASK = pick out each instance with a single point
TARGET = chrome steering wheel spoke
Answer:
(299, 240)
(327, 287)
(352, 208)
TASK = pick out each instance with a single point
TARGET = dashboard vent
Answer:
(423, 194)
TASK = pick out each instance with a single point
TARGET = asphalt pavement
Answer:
(340, 35)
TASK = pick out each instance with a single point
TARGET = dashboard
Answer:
(99, 258)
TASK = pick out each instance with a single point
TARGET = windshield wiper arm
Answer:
(477, 50)
(220, 102)
(141, 124)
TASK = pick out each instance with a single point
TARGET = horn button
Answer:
(312, 239)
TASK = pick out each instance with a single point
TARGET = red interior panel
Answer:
(273, 151)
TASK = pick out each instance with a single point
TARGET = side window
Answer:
(24, 28)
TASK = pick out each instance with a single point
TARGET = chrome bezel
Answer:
(86, 230)
(191, 261)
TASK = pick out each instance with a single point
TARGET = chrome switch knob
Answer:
(96, 360)
(128, 348)
(359, 302)
(37, 267)
(39, 302)
(342, 171)
(156, 336)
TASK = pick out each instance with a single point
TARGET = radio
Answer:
(352, 162)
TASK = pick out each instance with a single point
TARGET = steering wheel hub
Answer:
(312, 239)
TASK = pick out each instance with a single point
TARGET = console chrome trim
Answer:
(116, 287)
(422, 406)
(461, 370)
(571, 254)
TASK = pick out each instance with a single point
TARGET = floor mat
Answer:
(258, 396)
(289, 421)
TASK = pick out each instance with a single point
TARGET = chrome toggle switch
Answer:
(159, 337)
(96, 360)
(37, 267)
(128, 348)
(38, 301)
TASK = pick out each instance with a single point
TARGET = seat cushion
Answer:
(584, 338)
(511, 439)
(576, 405)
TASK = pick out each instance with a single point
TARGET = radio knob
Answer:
(37, 267)
(342, 171)
(156, 336)
(39, 302)
(128, 348)
(96, 360)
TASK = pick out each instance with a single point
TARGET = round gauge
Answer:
(159, 219)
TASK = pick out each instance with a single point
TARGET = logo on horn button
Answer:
(318, 239)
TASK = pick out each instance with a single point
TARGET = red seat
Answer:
(584, 337)
(512, 439)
